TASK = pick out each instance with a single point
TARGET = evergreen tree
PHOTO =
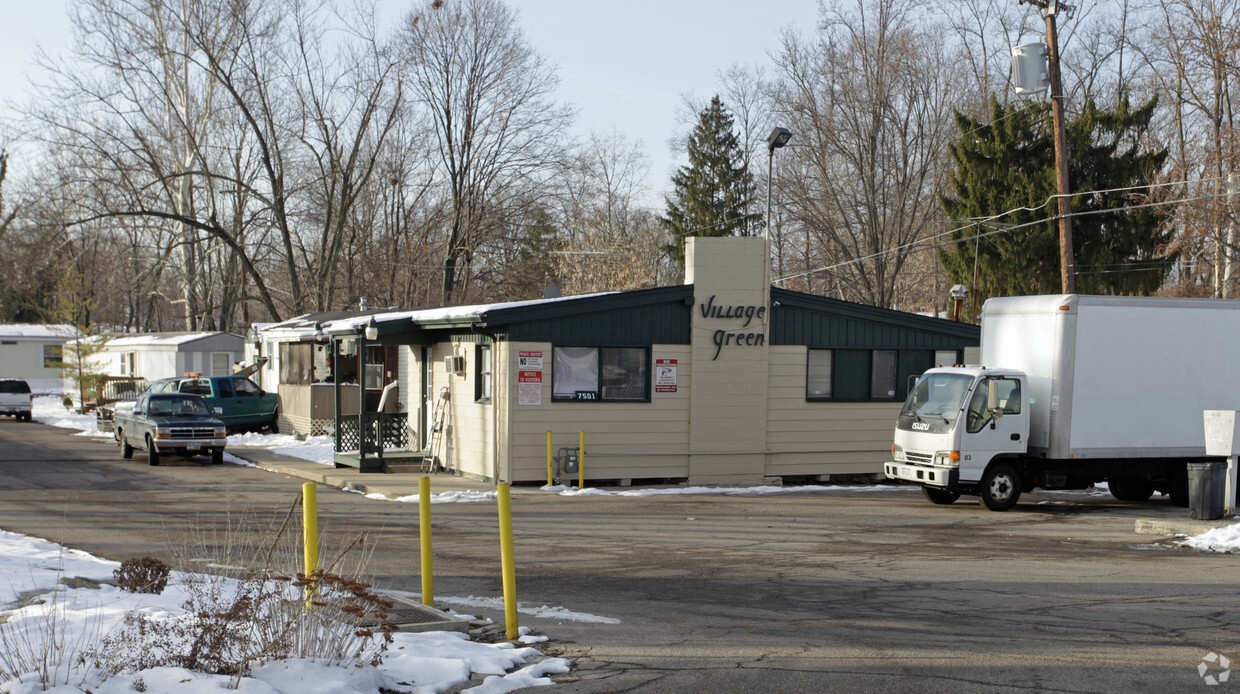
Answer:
(713, 194)
(1009, 164)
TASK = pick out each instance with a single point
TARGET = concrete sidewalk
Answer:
(392, 486)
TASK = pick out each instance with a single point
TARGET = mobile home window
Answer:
(482, 383)
(883, 374)
(53, 356)
(818, 374)
(610, 374)
(220, 363)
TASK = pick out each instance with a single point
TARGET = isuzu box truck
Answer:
(1073, 390)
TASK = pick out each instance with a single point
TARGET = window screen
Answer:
(818, 374)
(883, 375)
(574, 371)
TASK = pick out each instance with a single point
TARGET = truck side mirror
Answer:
(217, 411)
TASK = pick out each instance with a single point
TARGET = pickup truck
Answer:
(170, 423)
(15, 398)
(241, 404)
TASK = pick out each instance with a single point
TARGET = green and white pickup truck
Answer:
(170, 424)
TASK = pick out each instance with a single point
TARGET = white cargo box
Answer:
(1117, 377)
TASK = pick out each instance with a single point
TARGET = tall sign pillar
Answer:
(730, 358)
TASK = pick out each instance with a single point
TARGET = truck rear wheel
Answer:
(939, 496)
(1000, 487)
(1130, 489)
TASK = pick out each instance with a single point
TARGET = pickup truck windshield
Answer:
(178, 407)
(938, 396)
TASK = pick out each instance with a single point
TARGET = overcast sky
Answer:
(623, 65)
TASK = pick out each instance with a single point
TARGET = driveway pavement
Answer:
(857, 590)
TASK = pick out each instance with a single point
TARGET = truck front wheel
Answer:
(126, 449)
(1000, 487)
(939, 496)
(152, 455)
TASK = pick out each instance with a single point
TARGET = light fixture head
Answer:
(778, 138)
(372, 330)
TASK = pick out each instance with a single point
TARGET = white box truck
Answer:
(1073, 390)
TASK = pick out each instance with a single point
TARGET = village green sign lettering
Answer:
(738, 338)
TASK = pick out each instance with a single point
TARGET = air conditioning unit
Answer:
(454, 364)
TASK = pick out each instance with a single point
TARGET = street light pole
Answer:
(778, 138)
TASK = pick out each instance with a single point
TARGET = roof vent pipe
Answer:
(364, 304)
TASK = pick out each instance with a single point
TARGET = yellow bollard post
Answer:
(549, 480)
(310, 532)
(581, 462)
(506, 562)
(424, 528)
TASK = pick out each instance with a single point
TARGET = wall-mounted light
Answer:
(372, 330)
(320, 335)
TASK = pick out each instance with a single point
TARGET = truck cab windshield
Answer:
(938, 397)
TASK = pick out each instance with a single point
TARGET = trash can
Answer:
(1206, 488)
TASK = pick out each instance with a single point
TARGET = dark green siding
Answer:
(636, 326)
(801, 319)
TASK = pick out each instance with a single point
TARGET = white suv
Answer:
(15, 398)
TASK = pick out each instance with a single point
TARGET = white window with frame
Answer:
(482, 386)
(883, 374)
(53, 356)
(609, 374)
(818, 374)
(221, 363)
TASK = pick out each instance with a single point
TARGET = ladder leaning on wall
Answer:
(430, 462)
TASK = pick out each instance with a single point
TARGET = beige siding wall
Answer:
(468, 445)
(821, 438)
(623, 440)
(25, 360)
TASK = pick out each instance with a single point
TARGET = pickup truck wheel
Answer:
(939, 496)
(1000, 487)
(1130, 489)
(126, 449)
(274, 426)
(217, 456)
(152, 455)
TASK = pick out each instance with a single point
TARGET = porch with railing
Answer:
(373, 441)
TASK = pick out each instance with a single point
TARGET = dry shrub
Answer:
(240, 609)
(142, 575)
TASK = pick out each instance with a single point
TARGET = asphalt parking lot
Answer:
(846, 590)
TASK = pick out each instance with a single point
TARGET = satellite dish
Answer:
(552, 292)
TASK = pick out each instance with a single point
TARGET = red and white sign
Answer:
(529, 378)
(665, 375)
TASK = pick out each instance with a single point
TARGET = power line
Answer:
(921, 244)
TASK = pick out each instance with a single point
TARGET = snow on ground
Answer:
(30, 567)
(1225, 539)
(50, 410)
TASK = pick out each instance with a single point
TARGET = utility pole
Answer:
(1067, 265)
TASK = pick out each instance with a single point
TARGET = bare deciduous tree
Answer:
(497, 130)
